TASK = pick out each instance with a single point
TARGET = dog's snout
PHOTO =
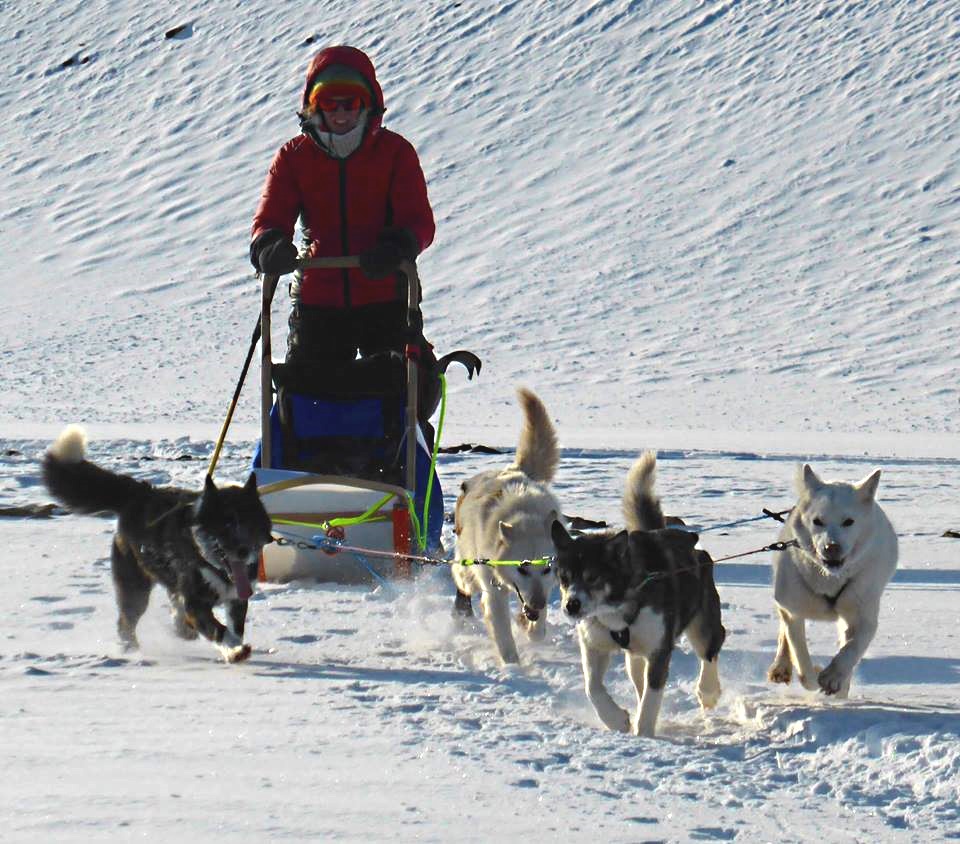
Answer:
(832, 555)
(532, 613)
(573, 606)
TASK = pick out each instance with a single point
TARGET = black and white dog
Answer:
(637, 591)
(203, 547)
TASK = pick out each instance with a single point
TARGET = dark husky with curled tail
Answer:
(637, 591)
(203, 547)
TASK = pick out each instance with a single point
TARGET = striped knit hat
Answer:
(338, 80)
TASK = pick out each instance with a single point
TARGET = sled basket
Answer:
(341, 455)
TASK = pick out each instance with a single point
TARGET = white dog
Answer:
(506, 514)
(846, 555)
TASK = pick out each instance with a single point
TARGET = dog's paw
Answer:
(708, 697)
(834, 681)
(509, 657)
(511, 671)
(811, 683)
(237, 654)
(643, 729)
(536, 630)
(780, 673)
(618, 721)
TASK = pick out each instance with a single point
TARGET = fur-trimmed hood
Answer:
(356, 60)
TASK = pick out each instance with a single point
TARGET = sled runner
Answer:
(342, 458)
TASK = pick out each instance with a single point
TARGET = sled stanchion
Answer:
(402, 541)
(412, 354)
(266, 360)
(266, 370)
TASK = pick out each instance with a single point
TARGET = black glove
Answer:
(277, 256)
(393, 246)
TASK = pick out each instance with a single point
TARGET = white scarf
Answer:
(338, 146)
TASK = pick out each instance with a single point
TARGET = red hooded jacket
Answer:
(345, 203)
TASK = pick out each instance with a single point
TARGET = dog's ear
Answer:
(807, 480)
(678, 541)
(209, 487)
(561, 539)
(620, 545)
(867, 488)
(551, 518)
(251, 485)
(642, 545)
(207, 497)
(487, 503)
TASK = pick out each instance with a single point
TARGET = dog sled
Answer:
(343, 461)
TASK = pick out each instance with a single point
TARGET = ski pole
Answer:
(236, 398)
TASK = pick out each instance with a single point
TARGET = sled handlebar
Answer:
(346, 262)
(342, 262)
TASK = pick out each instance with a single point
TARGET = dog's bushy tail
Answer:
(80, 485)
(537, 450)
(641, 506)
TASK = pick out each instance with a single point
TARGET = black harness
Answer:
(622, 637)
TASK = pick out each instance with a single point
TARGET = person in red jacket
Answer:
(358, 189)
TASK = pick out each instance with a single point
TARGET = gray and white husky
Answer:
(636, 591)
(846, 555)
(506, 514)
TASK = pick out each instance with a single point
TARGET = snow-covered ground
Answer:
(366, 714)
(728, 231)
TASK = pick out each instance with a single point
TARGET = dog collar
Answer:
(621, 637)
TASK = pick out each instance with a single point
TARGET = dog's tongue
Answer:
(241, 581)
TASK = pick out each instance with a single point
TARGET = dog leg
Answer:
(496, 614)
(466, 585)
(704, 645)
(237, 617)
(462, 605)
(180, 624)
(231, 647)
(781, 669)
(708, 683)
(795, 630)
(595, 664)
(654, 678)
(132, 589)
(857, 635)
(636, 666)
(536, 630)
